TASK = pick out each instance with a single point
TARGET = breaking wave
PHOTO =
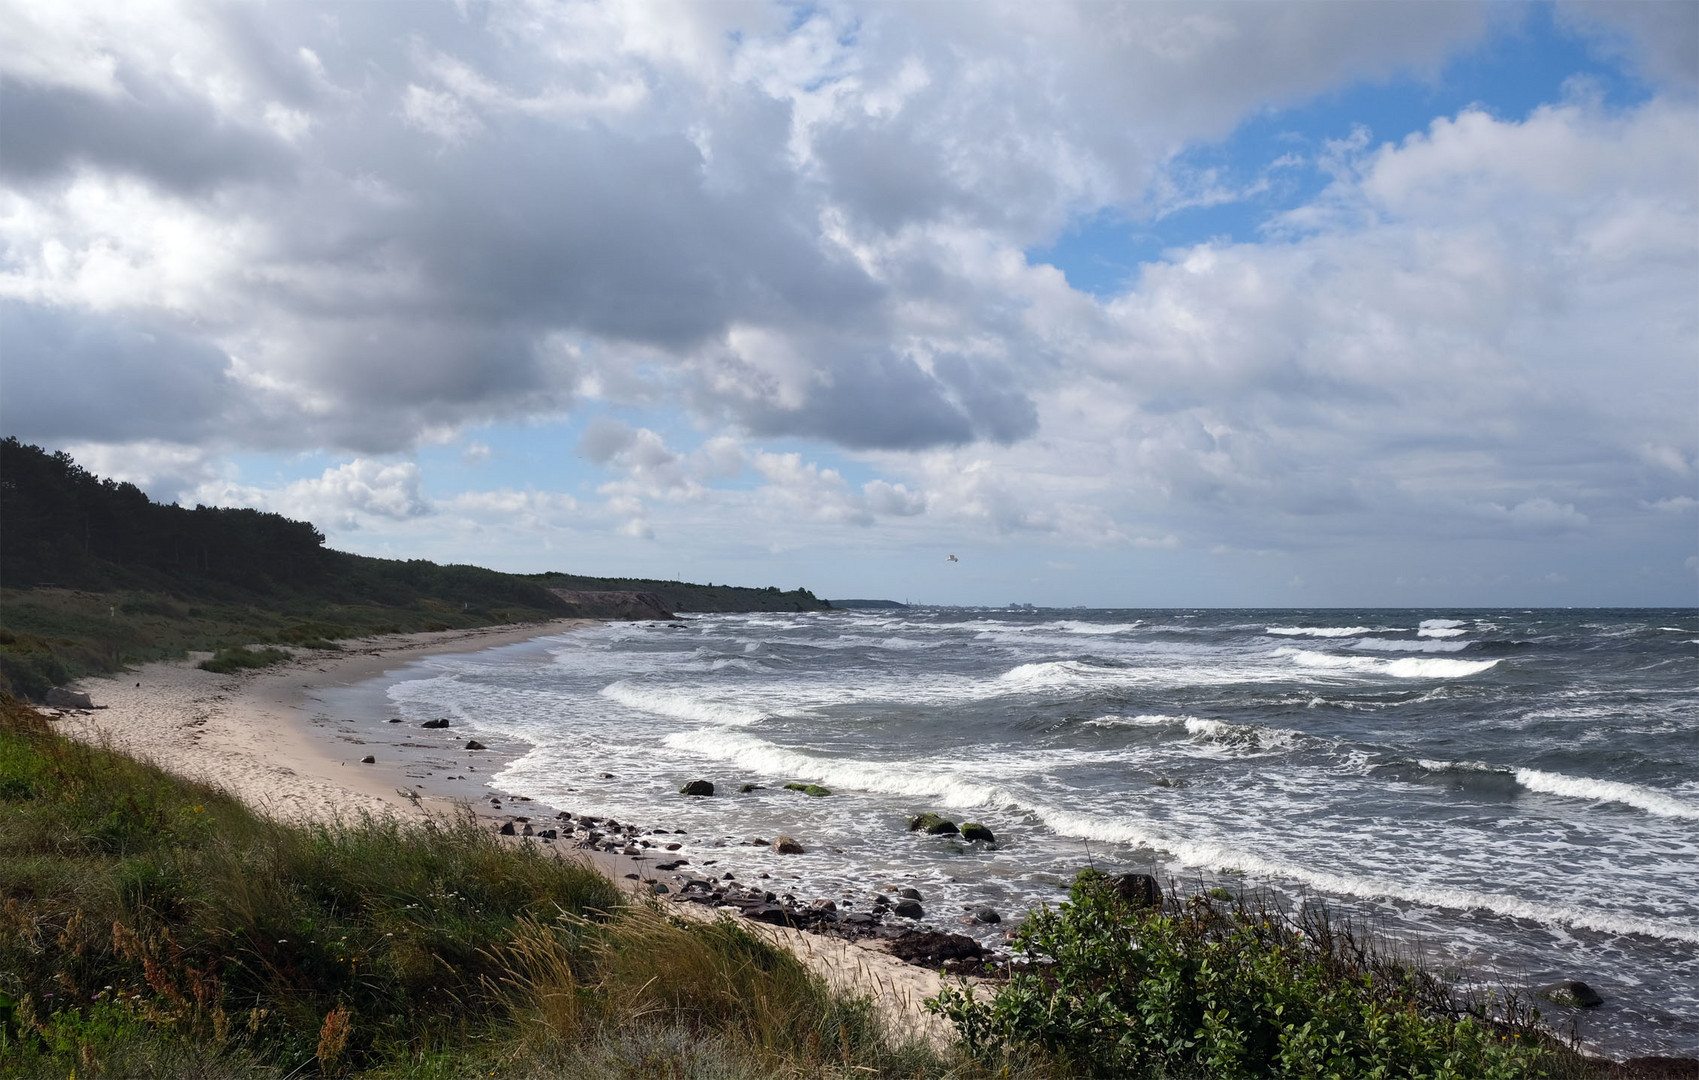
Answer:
(681, 705)
(948, 788)
(1318, 631)
(1375, 644)
(1204, 853)
(1586, 788)
(1580, 787)
(1410, 667)
(1241, 736)
(1440, 628)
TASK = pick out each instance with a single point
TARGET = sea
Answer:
(1511, 795)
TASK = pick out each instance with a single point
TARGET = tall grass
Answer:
(154, 927)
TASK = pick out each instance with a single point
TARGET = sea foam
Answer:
(1375, 644)
(1410, 667)
(1586, 788)
(1319, 631)
(680, 705)
(944, 787)
(1205, 853)
(1580, 787)
(1241, 736)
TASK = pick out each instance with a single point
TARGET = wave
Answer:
(1319, 631)
(1075, 626)
(1651, 800)
(1204, 853)
(1145, 720)
(949, 789)
(1441, 624)
(1375, 644)
(1440, 632)
(680, 705)
(1058, 673)
(1241, 736)
(1580, 787)
(1410, 667)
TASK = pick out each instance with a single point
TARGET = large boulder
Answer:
(439, 722)
(932, 824)
(61, 698)
(474, 744)
(1139, 890)
(1573, 993)
(973, 830)
(784, 845)
(932, 948)
(697, 788)
(809, 789)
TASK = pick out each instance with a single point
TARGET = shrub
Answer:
(230, 661)
(1227, 990)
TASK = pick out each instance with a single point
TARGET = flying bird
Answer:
(954, 559)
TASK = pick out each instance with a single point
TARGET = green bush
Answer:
(230, 661)
(1229, 991)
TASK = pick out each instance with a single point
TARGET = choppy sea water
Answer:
(1512, 792)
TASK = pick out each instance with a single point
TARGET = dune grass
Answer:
(155, 927)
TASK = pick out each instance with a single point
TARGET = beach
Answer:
(266, 737)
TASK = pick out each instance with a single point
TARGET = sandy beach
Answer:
(266, 736)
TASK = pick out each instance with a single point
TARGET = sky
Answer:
(1122, 305)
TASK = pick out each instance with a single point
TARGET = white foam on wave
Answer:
(1581, 787)
(1410, 667)
(680, 705)
(1461, 766)
(1440, 632)
(1075, 626)
(1327, 661)
(1144, 720)
(1318, 631)
(1375, 644)
(1241, 736)
(1057, 673)
(1205, 853)
(943, 786)
(1440, 624)
(1589, 789)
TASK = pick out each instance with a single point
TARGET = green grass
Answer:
(154, 927)
(1225, 989)
(230, 661)
(50, 636)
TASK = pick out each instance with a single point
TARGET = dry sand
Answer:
(265, 737)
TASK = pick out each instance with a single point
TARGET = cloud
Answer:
(365, 227)
(405, 205)
(345, 497)
(1661, 39)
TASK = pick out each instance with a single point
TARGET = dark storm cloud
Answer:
(80, 376)
(618, 236)
(177, 142)
(450, 191)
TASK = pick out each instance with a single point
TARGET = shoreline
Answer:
(267, 737)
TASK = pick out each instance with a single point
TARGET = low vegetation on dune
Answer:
(154, 927)
(1216, 986)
